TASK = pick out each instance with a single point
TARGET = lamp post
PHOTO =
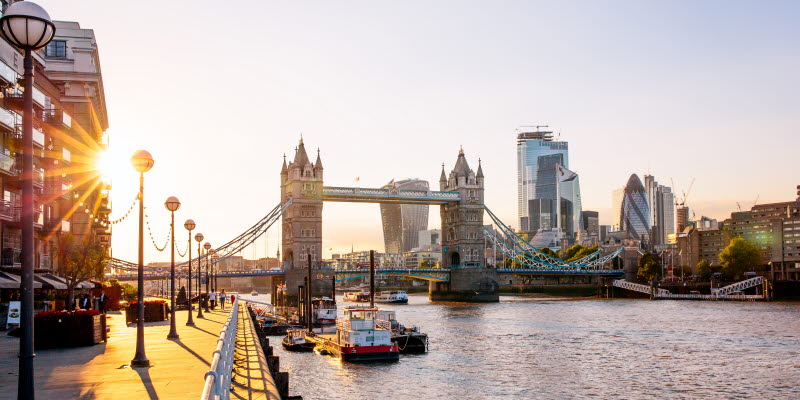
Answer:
(207, 246)
(172, 204)
(142, 161)
(28, 27)
(199, 238)
(189, 225)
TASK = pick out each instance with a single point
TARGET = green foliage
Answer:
(113, 282)
(550, 252)
(427, 264)
(649, 266)
(570, 253)
(580, 253)
(704, 270)
(738, 257)
(79, 261)
(129, 292)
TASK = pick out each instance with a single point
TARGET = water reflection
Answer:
(545, 348)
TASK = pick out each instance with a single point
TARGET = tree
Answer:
(649, 266)
(583, 252)
(79, 261)
(549, 252)
(704, 270)
(427, 264)
(739, 256)
(570, 253)
(129, 292)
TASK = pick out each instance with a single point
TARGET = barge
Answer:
(359, 338)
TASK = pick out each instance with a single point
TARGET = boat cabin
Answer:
(359, 328)
(296, 336)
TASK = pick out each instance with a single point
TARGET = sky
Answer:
(219, 91)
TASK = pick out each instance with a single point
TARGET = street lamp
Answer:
(142, 161)
(189, 225)
(207, 246)
(199, 238)
(28, 27)
(172, 204)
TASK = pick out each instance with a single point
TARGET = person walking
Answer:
(213, 297)
(103, 301)
(222, 297)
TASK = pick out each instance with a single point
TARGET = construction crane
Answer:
(681, 201)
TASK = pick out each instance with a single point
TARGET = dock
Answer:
(178, 366)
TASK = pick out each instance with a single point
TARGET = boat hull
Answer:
(411, 344)
(362, 353)
(299, 347)
(403, 301)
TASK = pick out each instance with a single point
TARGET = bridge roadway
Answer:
(429, 274)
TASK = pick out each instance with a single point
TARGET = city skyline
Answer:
(697, 111)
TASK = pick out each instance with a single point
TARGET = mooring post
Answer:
(372, 278)
(310, 313)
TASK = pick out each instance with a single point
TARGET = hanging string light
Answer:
(152, 239)
(127, 213)
(182, 254)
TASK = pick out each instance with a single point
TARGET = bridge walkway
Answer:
(101, 371)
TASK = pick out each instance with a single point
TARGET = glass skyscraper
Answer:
(635, 211)
(403, 222)
(537, 156)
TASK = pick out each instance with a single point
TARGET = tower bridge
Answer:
(463, 276)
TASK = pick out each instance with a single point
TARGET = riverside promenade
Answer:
(178, 366)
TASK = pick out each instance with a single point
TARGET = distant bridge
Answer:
(427, 274)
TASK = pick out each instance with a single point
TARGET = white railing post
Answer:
(219, 377)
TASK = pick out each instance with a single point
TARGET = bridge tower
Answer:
(301, 181)
(462, 238)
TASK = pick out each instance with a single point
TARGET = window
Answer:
(56, 48)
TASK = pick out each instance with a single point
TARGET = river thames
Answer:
(550, 348)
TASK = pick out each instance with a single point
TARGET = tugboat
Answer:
(408, 340)
(357, 338)
(392, 297)
(295, 340)
(357, 297)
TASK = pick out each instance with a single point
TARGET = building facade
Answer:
(661, 202)
(403, 222)
(635, 213)
(70, 120)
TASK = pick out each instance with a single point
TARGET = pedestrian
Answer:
(222, 296)
(213, 298)
(204, 298)
(103, 301)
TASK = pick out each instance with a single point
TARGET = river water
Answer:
(531, 348)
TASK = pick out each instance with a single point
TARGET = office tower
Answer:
(616, 208)
(537, 157)
(681, 218)
(635, 211)
(591, 223)
(403, 222)
(661, 202)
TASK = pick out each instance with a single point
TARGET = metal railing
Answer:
(219, 377)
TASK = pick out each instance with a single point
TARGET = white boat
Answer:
(357, 297)
(253, 293)
(392, 297)
(324, 309)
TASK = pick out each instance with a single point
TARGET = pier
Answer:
(178, 368)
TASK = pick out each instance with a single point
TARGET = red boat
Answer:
(358, 338)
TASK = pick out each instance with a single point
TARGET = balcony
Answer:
(8, 118)
(15, 96)
(7, 211)
(66, 155)
(38, 138)
(57, 225)
(8, 74)
(57, 118)
(7, 164)
(38, 177)
(56, 189)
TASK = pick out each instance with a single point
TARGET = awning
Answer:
(63, 281)
(6, 283)
(51, 282)
(16, 279)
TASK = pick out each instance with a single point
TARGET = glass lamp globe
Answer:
(189, 224)
(27, 25)
(199, 237)
(142, 161)
(172, 203)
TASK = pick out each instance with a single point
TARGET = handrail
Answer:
(218, 378)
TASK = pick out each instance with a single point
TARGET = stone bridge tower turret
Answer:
(462, 222)
(301, 181)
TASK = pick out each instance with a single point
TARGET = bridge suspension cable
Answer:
(512, 245)
(226, 250)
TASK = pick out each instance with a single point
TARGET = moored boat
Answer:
(358, 338)
(408, 340)
(357, 297)
(324, 310)
(392, 297)
(253, 293)
(296, 340)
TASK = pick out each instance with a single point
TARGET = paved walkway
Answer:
(102, 371)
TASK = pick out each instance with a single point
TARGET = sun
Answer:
(112, 164)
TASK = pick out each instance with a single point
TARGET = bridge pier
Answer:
(321, 283)
(474, 285)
